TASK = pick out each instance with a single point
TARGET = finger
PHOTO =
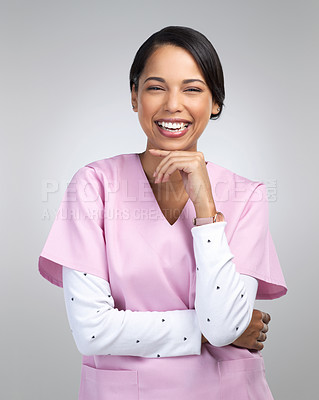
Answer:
(163, 153)
(266, 318)
(167, 156)
(178, 153)
(177, 163)
(171, 165)
(262, 337)
(265, 328)
(158, 152)
(172, 156)
(259, 346)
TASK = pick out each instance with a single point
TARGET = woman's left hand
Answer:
(256, 332)
(192, 167)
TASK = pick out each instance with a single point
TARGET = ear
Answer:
(134, 98)
(215, 108)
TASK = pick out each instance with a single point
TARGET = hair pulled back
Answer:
(197, 45)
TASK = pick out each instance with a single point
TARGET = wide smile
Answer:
(173, 128)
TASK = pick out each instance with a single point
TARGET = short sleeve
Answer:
(253, 247)
(76, 238)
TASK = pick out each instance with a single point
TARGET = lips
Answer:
(173, 128)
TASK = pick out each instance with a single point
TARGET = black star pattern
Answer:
(158, 355)
(137, 341)
(208, 320)
(185, 338)
(93, 337)
(208, 240)
(163, 320)
(72, 298)
(242, 296)
(84, 274)
(197, 269)
(237, 328)
(98, 310)
(218, 287)
(108, 295)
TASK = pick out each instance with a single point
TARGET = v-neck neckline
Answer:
(143, 174)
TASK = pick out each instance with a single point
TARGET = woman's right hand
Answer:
(255, 333)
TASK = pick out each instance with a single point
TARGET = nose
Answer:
(173, 101)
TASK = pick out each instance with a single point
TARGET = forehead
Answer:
(173, 62)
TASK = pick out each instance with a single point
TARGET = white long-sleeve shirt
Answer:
(223, 308)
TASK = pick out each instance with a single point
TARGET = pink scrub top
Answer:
(110, 225)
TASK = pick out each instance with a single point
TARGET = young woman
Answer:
(162, 254)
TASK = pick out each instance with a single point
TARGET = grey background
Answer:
(65, 102)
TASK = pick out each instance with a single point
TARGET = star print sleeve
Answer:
(224, 298)
(100, 329)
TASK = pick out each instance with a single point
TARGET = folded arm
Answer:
(224, 298)
(100, 329)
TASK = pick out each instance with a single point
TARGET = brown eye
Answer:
(193, 90)
(154, 88)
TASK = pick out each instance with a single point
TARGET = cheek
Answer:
(146, 107)
(203, 111)
(145, 113)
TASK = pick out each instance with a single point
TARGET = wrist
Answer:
(218, 217)
(205, 210)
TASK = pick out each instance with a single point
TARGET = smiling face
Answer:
(173, 102)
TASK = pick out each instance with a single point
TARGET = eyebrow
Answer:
(185, 81)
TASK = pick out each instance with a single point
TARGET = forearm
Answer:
(100, 329)
(224, 299)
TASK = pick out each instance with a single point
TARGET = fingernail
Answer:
(154, 174)
(165, 178)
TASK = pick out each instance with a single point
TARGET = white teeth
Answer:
(175, 125)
